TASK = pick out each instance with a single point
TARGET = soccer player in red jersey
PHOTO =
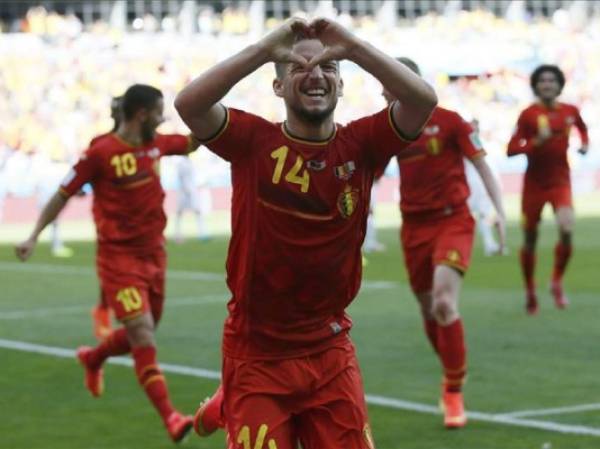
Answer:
(437, 235)
(101, 316)
(123, 169)
(542, 134)
(301, 193)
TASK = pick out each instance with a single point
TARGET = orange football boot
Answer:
(178, 426)
(560, 299)
(454, 410)
(94, 377)
(209, 416)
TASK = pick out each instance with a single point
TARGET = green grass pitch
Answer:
(516, 362)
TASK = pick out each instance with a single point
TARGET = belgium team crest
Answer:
(347, 201)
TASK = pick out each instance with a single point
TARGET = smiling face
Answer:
(310, 95)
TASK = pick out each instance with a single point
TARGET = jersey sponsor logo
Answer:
(345, 171)
(347, 201)
(475, 140)
(316, 165)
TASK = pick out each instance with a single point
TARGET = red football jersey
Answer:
(299, 212)
(128, 197)
(547, 164)
(432, 171)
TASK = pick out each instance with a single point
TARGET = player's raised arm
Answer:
(198, 103)
(415, 98)
(57, 203)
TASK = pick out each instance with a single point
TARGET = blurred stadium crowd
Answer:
(58, 74)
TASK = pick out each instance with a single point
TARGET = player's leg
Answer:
(209, 417)
(335, 413)
(452, 255)
(255, 403)
(565, 218)
(178, 223)
(144, 350)
(531, 209)
(450, 342)
(418, 251)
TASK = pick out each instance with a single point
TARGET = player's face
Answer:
(547, 87)
(311, 94)
(153, 118)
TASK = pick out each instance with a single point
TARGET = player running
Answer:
(437, 235)
(122, 168)
(542, 134)
(301, 193)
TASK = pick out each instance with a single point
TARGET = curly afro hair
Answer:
(535, 76)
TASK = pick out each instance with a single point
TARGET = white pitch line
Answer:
(554, 411)
(20, 267)
(78, 309)
(371, 399)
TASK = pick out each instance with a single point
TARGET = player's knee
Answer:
(444, 308)
(140, 331)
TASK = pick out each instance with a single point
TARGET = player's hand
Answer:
(501, 230)
(279, 42)
(583, 150)
(337, 40)
(25, 249)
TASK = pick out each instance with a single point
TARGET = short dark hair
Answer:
(535, 76)
(410, 64)
(139, 96)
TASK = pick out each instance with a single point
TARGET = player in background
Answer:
(101, 316)
(190, 197)
(437, 235)
(481, 206)
(122, 168)
(542, 134)
(301, 193)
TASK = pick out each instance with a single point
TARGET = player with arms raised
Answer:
(301, 193)
(122, 168)
(542, 134)
(437, 235)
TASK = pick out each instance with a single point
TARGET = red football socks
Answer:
(562, 254)
(115, 344)
(453, 354)
(528, 268)
(431, 330)
(152, 380)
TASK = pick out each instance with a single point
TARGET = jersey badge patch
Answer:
(345, 171)
(475, 140)
(347, 201)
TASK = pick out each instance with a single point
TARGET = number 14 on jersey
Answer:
(293, 176)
